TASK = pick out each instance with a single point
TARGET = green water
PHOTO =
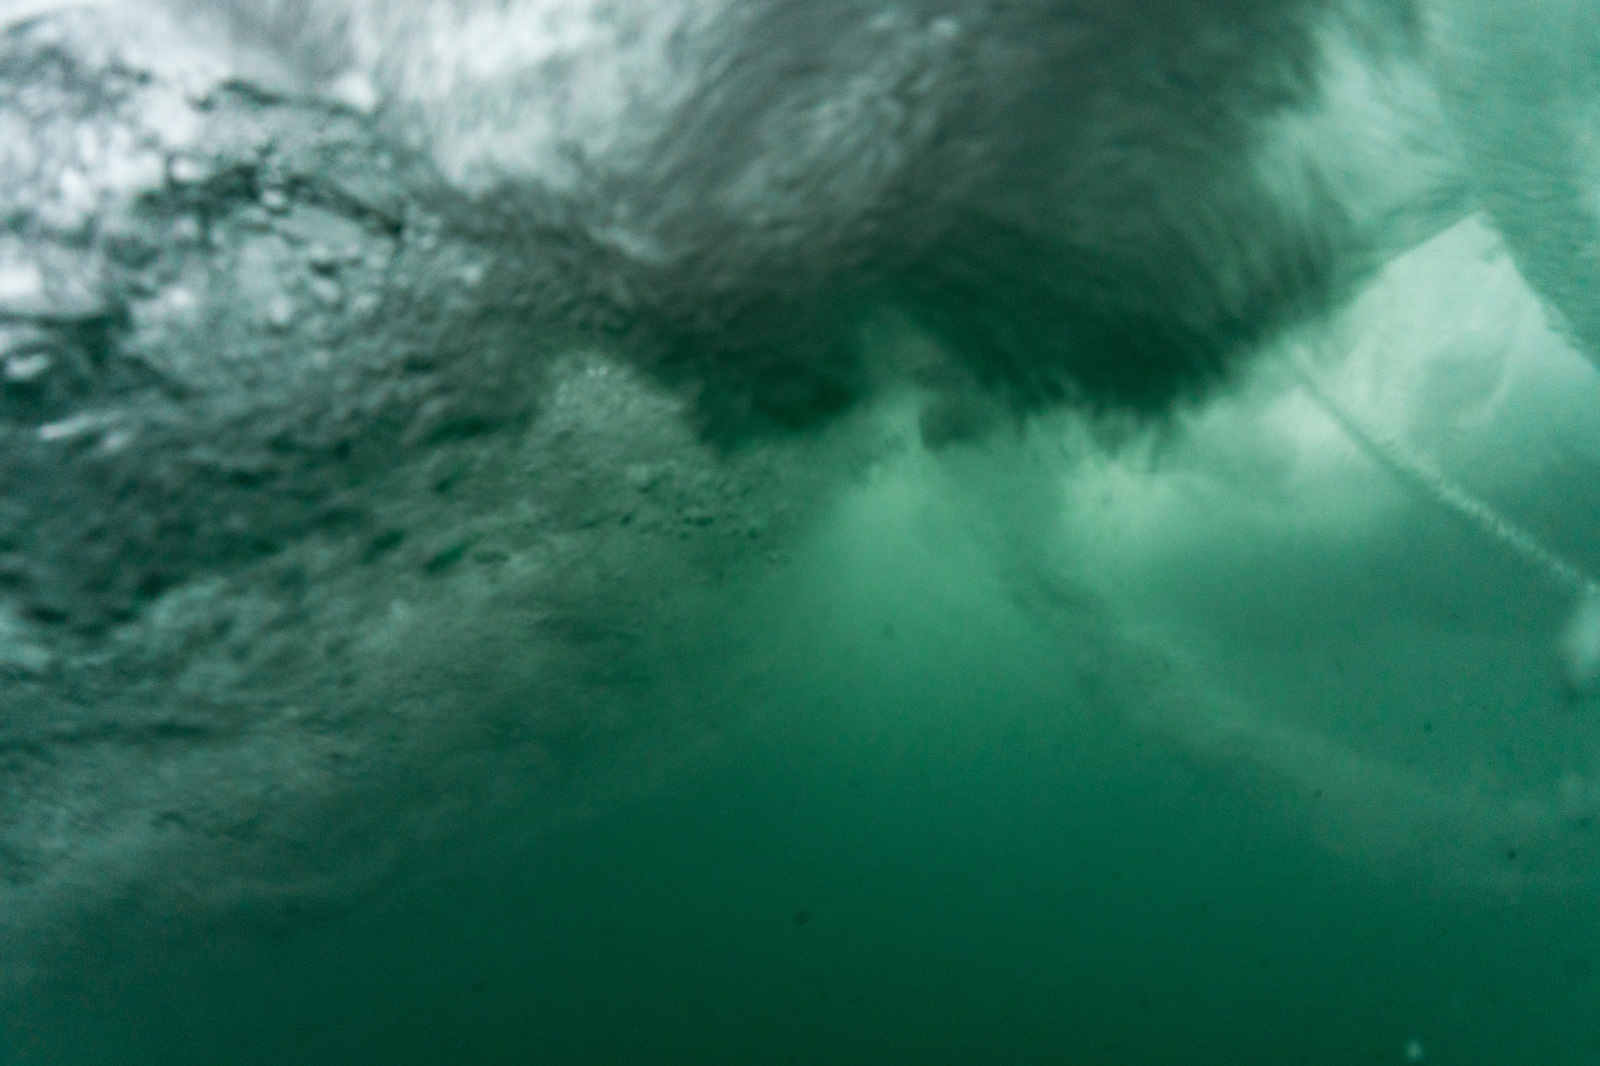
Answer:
(831, 692)
(922, 838)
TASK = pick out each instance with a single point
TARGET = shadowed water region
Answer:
(932, 834)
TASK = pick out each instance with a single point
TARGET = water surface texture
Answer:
(799, 532)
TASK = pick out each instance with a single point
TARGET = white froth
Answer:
(537, 91)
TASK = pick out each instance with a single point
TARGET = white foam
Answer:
(534, 90)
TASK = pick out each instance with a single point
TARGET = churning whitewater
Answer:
(448, 447)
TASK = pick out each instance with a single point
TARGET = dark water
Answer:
(931, 834)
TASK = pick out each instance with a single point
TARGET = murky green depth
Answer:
(925, 839)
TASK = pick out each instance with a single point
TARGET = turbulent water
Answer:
(799, 532)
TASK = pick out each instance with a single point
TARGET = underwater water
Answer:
(397, 671)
